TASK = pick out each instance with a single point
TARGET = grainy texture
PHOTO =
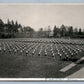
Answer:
(26, 58)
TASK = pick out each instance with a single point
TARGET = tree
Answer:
(80, 32)
(9, 26)
(12, 26)
(28, 31)
(1, 26)
(70, 31)
(75, 31)
(12, 23)
(40, 32)
(55, 31)
(63, 30)
(49, 30)
(16, 26)
(20, 26)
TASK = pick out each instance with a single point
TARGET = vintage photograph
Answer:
(42, 41)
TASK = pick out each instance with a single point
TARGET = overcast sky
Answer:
(43, 15)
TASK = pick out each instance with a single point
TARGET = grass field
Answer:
(39, 58)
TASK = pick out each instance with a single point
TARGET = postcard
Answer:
(41, 42)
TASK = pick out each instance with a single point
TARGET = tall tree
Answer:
(9, 26)
(16, 27)
(80, 31)
(49, 30)
(70, 31)
(12, 26)
(63, 30)
(55, 31)
(75, 31)
(1, 26)
(12, 22)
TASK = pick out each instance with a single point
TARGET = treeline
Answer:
(61, 32)
(68, 31)
(12, 29)
(8, 29)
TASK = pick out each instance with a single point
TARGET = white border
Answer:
(41, 79)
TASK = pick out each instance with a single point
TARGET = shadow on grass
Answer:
(81, 62)
(70, 59)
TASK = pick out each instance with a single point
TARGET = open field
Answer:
(39, 58)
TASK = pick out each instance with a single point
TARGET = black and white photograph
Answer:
(42, 40)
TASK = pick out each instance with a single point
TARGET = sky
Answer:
(44, 15)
